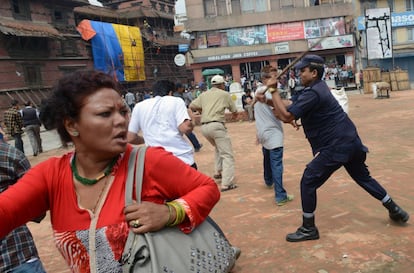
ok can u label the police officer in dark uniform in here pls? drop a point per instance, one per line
(334, 141)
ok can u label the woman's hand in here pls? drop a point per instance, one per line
(146, 217)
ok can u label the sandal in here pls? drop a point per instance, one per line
(217, 176)
(228, 188)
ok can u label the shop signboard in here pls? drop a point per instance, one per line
(331, 42)
(232, 56)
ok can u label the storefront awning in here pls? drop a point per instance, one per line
(10, 26)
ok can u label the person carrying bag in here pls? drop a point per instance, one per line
(84, 189)
(205, 249)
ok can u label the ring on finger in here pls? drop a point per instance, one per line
(135, 223)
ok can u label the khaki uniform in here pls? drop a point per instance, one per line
(213, 104)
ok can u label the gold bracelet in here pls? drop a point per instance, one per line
(179, 211)
(181, 214)
(169, 222)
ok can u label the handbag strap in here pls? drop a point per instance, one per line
(135, 172)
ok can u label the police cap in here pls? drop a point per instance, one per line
(308, 60)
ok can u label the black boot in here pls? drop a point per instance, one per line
(307, 231)
(396, 213)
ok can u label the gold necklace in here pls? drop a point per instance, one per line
(100, 194)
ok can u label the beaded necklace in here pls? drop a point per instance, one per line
(87, 181)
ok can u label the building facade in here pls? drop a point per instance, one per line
(240, 37)
(155, 19)
(400, 20)
(38, 44)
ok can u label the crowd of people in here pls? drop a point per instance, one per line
(84, 188)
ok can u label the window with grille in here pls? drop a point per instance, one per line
(59, 16)
(410, 34)
(221, 7)
(287, 3)
(209, 8)
(21, 9)
(394, 36)
(32, 75)
(261, 5)
(250, 6)
(19, 46)
(409, 5)
(69, 48)
(235, 7)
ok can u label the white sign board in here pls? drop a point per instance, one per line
(378, 30)
(282, 48)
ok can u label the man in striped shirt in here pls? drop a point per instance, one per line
(18, 251)
(14, 124)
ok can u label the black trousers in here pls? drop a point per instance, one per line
(324, 164)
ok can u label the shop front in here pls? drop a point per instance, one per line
(243, 51)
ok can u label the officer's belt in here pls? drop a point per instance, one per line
(204, 123)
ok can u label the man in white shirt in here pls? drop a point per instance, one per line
(130, 99)
(163, 121)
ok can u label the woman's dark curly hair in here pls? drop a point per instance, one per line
(68, 97)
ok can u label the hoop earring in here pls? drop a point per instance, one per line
(75, 133)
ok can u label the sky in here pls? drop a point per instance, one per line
(95, 3)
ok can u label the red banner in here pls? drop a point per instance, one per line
(214, 38)
(285, 32)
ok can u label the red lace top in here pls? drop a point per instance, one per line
(94, 242)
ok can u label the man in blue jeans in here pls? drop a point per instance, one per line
(270, 135)
(18, 253)
(193, 139)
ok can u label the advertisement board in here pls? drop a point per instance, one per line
(378, 31)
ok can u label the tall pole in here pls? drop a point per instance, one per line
(390, 5)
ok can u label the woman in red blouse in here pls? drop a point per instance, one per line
(85, 188)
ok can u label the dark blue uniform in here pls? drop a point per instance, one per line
(335, 143)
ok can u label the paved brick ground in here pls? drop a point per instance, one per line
(356, 235)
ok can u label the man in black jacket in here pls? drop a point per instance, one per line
(32, 124)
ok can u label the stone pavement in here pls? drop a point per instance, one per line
(356, 234)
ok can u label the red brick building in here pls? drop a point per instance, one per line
(38, 44)
(155, 20)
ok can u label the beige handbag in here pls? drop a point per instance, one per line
(204, 250)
